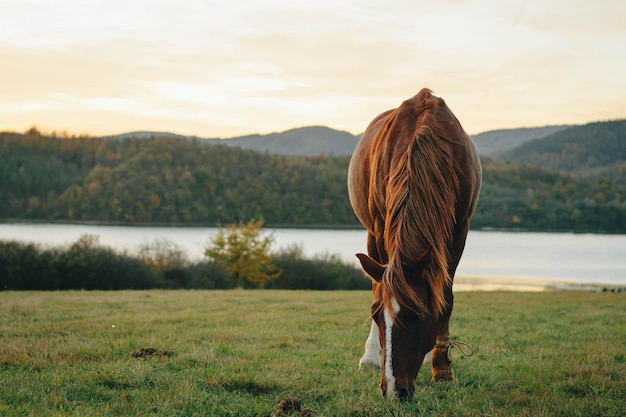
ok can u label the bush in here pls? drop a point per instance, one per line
(323, 272)
(20, 266)
(166, 262)
(210, 276)
(83, 266)
(88, 266)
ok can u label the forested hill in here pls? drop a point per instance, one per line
(579, 149)
(306, 141)
(169, 180)
(166, 180)
(582, 170)
(494, 142)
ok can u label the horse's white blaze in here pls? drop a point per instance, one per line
(391, 380)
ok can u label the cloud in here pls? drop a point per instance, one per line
(225, 68)
(596, 18)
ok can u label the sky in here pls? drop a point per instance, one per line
(229, 68)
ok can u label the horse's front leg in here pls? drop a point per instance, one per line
(373, 351)
(442, 365)
(372, 356)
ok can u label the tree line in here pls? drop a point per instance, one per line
(530, 198)
(166, 180)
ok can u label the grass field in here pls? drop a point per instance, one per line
(238, 353)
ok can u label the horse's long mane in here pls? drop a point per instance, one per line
(420, 199)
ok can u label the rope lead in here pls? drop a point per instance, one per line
(464, 348)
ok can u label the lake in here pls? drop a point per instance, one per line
(508, 258)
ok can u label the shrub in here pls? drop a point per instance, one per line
(88, 266)
(323, 272)
(210, 276)
(19, 266)
(167, 263)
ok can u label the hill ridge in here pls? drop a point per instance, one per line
(595, 145)
(323, 140)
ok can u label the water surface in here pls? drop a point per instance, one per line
(580, 258)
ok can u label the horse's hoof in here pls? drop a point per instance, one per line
(369, 363)
(443, 376)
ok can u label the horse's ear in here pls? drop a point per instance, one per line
(374, 269)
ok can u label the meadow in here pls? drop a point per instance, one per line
(239, 352)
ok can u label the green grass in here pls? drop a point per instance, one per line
(238, 353)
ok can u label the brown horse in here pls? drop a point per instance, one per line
(413, 181)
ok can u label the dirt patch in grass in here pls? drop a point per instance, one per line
(248, 387)
(290, 406)
(150, 352)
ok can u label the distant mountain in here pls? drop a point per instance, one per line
(149, 135)
(599, 145)
(516, 145)
(305, 141)
(493, 142)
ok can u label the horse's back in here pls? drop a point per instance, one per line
(360, 171)
(388, 137)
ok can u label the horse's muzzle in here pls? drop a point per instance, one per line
(400, 394)
(403, 394)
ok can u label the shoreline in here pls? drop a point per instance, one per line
(466, 284)
(354, 226)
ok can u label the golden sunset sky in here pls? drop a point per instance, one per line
(233, 67)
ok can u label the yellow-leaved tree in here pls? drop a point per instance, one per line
(244, 253)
